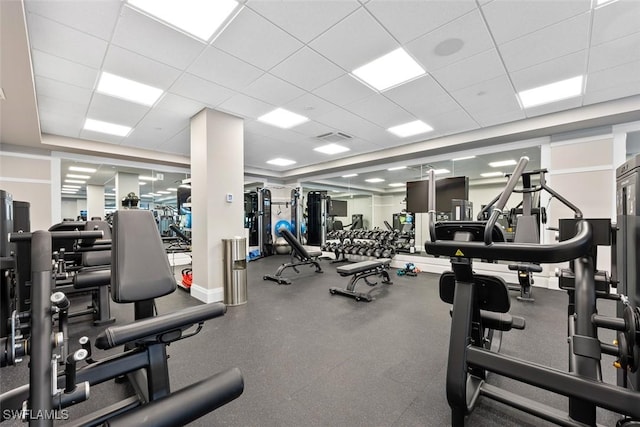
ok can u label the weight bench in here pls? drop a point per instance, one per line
(297, 251)
(362, 270)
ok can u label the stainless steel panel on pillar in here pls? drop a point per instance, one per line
(235, 270)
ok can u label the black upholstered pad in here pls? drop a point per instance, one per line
(92, 277)
(139, 265)
(93, 258)
(359, 267)
(295, 244)
(492, 291)
(533, 268)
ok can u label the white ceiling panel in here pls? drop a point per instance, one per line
(487, 118)
(615, 52)
(614, 20)
(354, 41)
(46, 103)
(226, 70)
(201, 90)
(272, 90)
(65, 42)
(410, 19)
(459, 39)
(245, 106)
(423, 97)
(178, 144)
(312, 129)
(343, 90)
(180, 106)
(150, 38)
(60, 123)
(165, 123)
(304, 20)
(136, 67)
(562, 68)
(63, 91)
(549, 43)
(255, 40)
(344, 121)
(63, 70)
(627, 75)
(307, 69)
(495, 96)
(380, 110)
(310, 106)
(102, 137)
(275, 133)
(97, 18)
(471, 70)
(565, 104)
(510, 19)
(114, 110)
(449, 122)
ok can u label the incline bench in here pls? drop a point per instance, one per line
(362, 270)
(297, 251)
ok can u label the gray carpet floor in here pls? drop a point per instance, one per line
(310, 358)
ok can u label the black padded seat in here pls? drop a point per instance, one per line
(532, 268)
(360, 271)
(298, 251)
(359, 267)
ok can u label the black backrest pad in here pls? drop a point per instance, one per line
(492, 293)
(92, 258)
(139, 265)
(446, 230)
(295, 245)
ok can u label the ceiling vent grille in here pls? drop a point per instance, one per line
(334, 137)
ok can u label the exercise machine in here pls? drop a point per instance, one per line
(469, 361)
(296, 213)
(265, 238)
(298, 251)
(251, 216)
(317, 217)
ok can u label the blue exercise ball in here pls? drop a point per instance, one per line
(280, 224)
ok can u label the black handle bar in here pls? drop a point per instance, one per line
(504, 197)
(567, 250)
(67, 235)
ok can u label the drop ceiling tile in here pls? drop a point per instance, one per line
(549, 43)
(273, 132)
(561, 68)
(304, 20)
(495, 96)
(257, 41)
(380, 111)
(62, 91)
(471, 70)
(178, 144)
(307, 69)
(343, 90)
(423, 98)
(625, 75)
(245, 106)
(354, 41)
(150, 38)
(60, 40)
(342, 120)
(614, 53)
(46, 103)
(272, 90)
(510, 19)
(554, 107)
(102, 137)
(136, 67)
(310, 106)
(200, 90)
(97, 18)
(410, 19)
(312, 129)
(459, 39)
(184, 107)
(226, 70)
(454, 121)
(615, 20)
(488, 118)
(114, 110)
(58, 123)
(157, 127)
(63, 70)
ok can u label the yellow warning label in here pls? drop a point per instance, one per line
(459, 253)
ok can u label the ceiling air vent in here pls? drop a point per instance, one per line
(334, 137)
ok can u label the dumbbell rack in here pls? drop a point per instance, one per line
(362, 245)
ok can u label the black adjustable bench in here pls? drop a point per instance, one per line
(362, 270)
(297, 251)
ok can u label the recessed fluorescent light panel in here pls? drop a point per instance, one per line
(280, 162)
(392, 69)
(350, 175)
(71, 187)
(463, 158)
(603, 2)
(397, 168)
(142, 183)
(398, 184)
(81, 169)
(374, 180)
(200, 18)
(184, 186)
(553, 92)
(74, 181)
(331, 149)
(409, 129)
(126, 89)
(491, 174)
(502, 163)
(106, 127)
(282, 118)
(73, 175)
(441, 171)
(164, 192)
(147, 178)
(172, 189)
(69, 191)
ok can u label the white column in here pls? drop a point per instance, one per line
(126, 183)
(95, 201)
(217, 201)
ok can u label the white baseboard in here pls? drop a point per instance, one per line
(207, 295)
